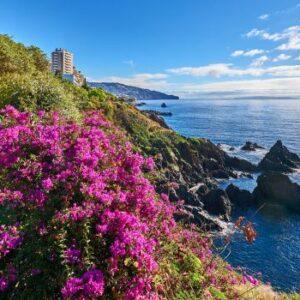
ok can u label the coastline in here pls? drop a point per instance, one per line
(245, 183)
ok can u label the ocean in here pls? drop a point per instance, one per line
(275, 255)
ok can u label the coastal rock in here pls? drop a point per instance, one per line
(220, 174)
(249, 146)
(216, 202)
(156, 118)
(195, 215)
(240, 164)
(163, 105)
(212, 155)
(200, 188)
(277, 188)
(182, 192)
(239, 197)
(189, 196)
(279, 159)
(231, 148)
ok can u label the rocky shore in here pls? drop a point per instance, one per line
(190, 169)
(208, 206)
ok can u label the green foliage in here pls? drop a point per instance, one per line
(27, 83)
(40, 60)
(99, 99)
(41, 91)
(217, 294)
(16, 58)
(186, 295)
(183, 272)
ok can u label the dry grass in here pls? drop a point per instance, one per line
(264, 292)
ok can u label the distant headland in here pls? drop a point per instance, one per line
(122, 90)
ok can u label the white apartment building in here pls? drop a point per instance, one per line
(62, 61)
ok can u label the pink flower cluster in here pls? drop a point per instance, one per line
(81, 189)
(7, 277)
(88, 286)
(72, 255)
(250, 279)
(83, 174)
(10, 239)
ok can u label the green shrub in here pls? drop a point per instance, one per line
(17, 58)
(41, 91)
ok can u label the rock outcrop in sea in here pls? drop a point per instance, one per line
(276, 188)
(279, 159)
(249, 146)
(239, 197)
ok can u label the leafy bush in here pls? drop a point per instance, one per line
(27, 83)
(41, 91)
(16, 58)
(81, 220)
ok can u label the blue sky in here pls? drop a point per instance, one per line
(191, 48)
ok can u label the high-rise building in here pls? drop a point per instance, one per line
(62, 61)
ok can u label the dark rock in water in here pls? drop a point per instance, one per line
(156, 118)
(249, 146)
(195, 215)
(239, 197)
(216, 202)
(231, 149)
(140, 104)
(163, 105)
(240, 164)
(279, 159)
(277, 188)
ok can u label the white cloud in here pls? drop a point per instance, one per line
(258, 62)
(285, 87)
(264, 35)
(214, 70)
(143, 80)
(237, 53)
(281, 57)
(293, 40)
(218, 70)
(290, 35)
(264, 17)
(250, 53)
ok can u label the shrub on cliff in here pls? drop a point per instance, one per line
(80, 220)
(17, 58)
(27, 83)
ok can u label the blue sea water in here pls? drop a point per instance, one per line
(276, 251)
